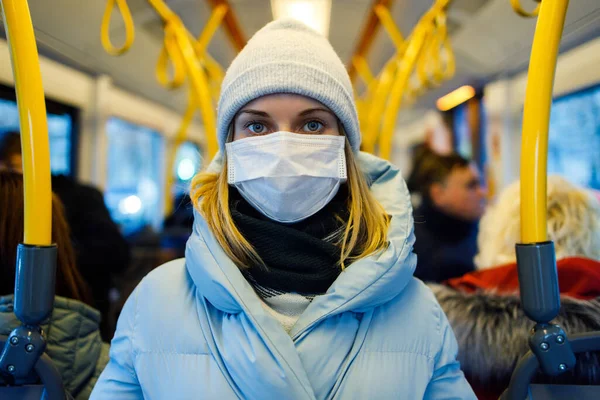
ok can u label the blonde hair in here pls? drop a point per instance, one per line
(573, 224)
(363, 234)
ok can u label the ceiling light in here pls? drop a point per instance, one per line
(455, 98)
(314, 13)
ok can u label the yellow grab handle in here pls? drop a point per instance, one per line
(536, 119)
(216, 75)
(209, 29)
(199, 85)
(441, 38)
(516, 5)
(105, 27)
(162, 10)
(378, 104)
(413, 52)
(189, 59)
(429, 63)
(214, 70)
(170, 52)
(414, 88)
(32, 118)
(422, 62)
(395, 81)
(202, 95)
(450, 62)
(390, 26)
(362, 67)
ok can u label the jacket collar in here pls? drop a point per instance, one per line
(365, 284)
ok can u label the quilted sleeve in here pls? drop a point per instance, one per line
(119, 379)
(448, 381)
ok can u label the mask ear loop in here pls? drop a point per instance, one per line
(343, 175)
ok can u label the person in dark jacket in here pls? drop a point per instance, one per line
(420, 153)
(177, 227)
(484, 308)
(453, 199)
(72, 330)
(101, 250)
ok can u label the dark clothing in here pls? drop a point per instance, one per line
(177, 227)
(298, 257)
(445, 246)
(100, 248)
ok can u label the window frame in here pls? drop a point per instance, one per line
(57, 108)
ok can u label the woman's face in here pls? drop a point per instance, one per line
(284, 112)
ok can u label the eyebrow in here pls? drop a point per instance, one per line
(266, 115)
(254, 112)
(311, 110)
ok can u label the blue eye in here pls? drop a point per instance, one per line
(313, 126)
(257, 128)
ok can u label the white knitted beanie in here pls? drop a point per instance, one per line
(287, 56)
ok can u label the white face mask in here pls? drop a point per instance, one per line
(287, 176)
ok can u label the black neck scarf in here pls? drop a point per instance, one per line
(297, 256)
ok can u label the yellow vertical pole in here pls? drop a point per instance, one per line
(32, 117)
(536, 118)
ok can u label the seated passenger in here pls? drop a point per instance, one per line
(297, 280)
(484, 307)
(453, 199)
(419, 155)
(177, 227)
(72, 331)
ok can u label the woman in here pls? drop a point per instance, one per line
(297, 281)
(493, 334)
(72, 332)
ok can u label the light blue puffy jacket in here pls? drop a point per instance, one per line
(195, 329)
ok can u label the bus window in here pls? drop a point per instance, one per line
(462, 132)
(134, 177)
(574, 139)
(60, 129)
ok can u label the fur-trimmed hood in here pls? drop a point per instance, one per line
(492, 332)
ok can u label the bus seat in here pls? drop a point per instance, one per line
(48, 387)
(28, 392)
(563, 392)
(521, 388)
